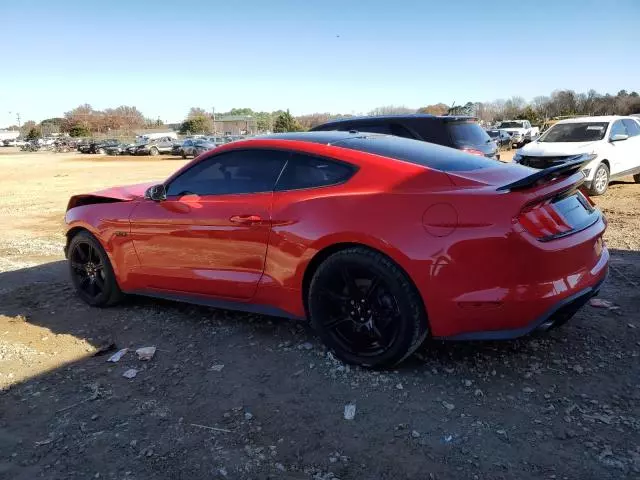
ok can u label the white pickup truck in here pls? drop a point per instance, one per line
(521, 131)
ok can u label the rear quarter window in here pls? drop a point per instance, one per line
(467, 133)
(306, 171)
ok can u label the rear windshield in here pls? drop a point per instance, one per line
(575, 132)
(468, 133)
(420, 153)
(511, 125)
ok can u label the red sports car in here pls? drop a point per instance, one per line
(378, 240)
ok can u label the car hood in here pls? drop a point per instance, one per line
(544, 149)
(125, 193)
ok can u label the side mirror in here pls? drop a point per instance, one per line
(157, 193)
(619, 137)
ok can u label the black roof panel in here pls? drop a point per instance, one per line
(326, 138)
(386, 118)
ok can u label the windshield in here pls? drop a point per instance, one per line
(468, 133)
(575, 132)
(493, 133)
(511, 125)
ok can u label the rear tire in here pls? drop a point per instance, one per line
(153, 151)
(600, 181)
(91, 271)
(636, 178)
(101, 151)
(366, 309)
(184, 155)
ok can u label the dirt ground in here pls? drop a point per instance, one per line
(240, 396)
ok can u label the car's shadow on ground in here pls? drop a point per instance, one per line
(49, 284)
(225, 387)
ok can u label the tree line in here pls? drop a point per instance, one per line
(84, 121)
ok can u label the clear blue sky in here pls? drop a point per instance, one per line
(165, 57)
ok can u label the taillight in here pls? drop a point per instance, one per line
(543, 221)
(472, 151)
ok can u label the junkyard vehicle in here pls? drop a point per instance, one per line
(374, 238)
(612, 142)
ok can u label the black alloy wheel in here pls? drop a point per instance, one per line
(91, 271)
(365, 308)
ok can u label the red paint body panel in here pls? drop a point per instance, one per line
(453, 233)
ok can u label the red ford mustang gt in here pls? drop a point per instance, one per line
(379, 240)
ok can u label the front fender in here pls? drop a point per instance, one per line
(109, 224)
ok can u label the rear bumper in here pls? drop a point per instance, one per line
(559, 314)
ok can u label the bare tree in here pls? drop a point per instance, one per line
(391, 110)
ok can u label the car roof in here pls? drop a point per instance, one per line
(412, 116)
(601, 118)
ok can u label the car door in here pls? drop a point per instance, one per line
(631, 163)
(210, 235)
(619, 151)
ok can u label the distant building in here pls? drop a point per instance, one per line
(235, 125)
(9, 134)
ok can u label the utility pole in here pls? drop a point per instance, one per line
(18, 118)
(213, 115)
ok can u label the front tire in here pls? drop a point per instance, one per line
(366, 309)
(153, 152)
(636, 178)
(91, 271)
(600, 181)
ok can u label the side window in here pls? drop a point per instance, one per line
(306, 171)
(527, 124)
(618, 128)
(633, 128)
(240, 171)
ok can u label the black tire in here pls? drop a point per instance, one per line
(184, 155)
(356, 330)
(101, 151)
(636, 178)
(153, 151)
(600, 181)
(91, 271)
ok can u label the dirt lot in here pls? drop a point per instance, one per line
(232, 395)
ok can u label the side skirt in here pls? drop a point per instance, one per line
(216, 303)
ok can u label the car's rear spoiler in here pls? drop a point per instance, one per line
(568, 167)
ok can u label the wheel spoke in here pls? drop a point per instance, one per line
(334, 323)
(92, 287)
(84, 283)
(77, 266)
(82, 254)
(352, 288)
(333, 295)
(99, 282)
(373, 286)
(91, 252)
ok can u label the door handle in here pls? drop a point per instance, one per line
(246, 219)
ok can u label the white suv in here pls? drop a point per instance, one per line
(613, 141)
